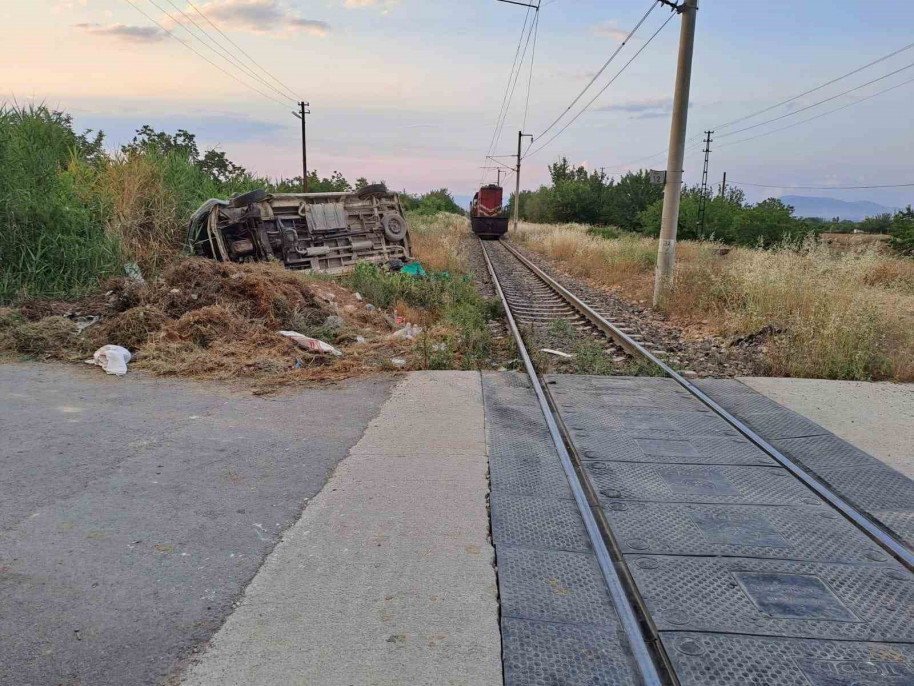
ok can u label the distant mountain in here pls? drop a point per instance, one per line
(829, 208)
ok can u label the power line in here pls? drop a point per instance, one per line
(823, 188)
(817, 88)
(223, 53)
(821, 102)
(243, 52)
(818, 116)
(536, 25)
(504, 98)
(785, 102)
(514, 86)
(603, 90)
(606, 64)
(204, 57)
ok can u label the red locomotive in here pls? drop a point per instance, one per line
(488, 218)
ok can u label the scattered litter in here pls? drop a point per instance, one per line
(398, 320)
(311, 344)
(689, 374)
(112, 358)
(398, 361)
(175, 291)
(369, 307)
(413, 269)
(410, 331)
(439, 347)
(132, 269)
(333, 322)
(358, 296)
(558, 353)
(84, 323)
(360, 339)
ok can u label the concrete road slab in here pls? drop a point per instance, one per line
(388, 576)
(133, 512)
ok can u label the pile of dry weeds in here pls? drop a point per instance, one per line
(215, 320)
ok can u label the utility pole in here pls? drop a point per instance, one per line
(666, 251)
(723, 185)
(520, 137)
(303, 111)
(703, 200)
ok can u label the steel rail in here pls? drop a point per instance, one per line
(630, 624)
(631, 346)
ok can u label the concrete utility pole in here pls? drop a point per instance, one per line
(666, 251)
(520, 137)
(703, 200)
(301, 114)
(723, 185)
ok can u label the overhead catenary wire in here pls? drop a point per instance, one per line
(204, 57)
(718, 127)
(821, 188)
(813, 90)
(536, 24)
(504, 98)
(603, 90)
(517, 74)
(602, 69)
(209, 21)
(816, 104)
(818, 116)
(223, 52)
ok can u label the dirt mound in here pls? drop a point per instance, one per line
(208, 319)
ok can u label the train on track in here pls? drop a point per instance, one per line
(488, 219)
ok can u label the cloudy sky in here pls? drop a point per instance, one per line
(409, 90)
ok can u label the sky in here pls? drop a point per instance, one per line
(409, 91)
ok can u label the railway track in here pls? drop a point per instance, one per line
(532, 298)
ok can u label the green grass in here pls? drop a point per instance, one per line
(456, 333)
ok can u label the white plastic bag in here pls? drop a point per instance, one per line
(112, 358)
(410, 331)
(311, 344)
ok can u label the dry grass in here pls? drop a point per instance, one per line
(839, 316)
(436, 241)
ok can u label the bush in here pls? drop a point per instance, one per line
(902, 232)
(52, 235)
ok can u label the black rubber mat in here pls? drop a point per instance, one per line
(702, 659)
(553, 586)
(548, 654)
(883, 493)
(871, 602)
(799, 533)
(597, 444)
(697, 484)
(531, 522)
(558, 622)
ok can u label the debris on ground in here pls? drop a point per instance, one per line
(398, 361)
(410, 331)
(312, 344)
(413, 269)
(214, 320)
(557, 353)
(112, 358)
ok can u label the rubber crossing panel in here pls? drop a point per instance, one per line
(747, 575)
(558, 622)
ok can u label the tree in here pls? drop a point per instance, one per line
(902, 232)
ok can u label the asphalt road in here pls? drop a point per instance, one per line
(133, 512)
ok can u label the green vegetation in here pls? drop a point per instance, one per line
(902, 231)
(453, 315)
(72, 214)
(634, 204)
